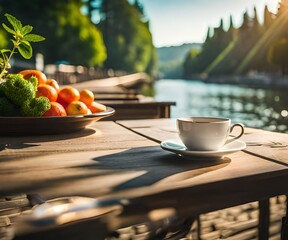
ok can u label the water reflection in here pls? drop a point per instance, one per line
(259, 108)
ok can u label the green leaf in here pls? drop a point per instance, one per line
(27, 29)
(21, 40)
(5, 50)
(9, 30)
(17, 25)
(25, 49)
(33, 38)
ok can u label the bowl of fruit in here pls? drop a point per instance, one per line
(32, 104)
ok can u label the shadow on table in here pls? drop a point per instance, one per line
(128, 169)
(27, 141)
(160, 167)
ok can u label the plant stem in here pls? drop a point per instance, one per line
(6, 63)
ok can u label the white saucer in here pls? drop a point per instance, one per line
(176, 146)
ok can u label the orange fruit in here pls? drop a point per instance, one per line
(47, 91)
(56, 109)
(38, 74)
(86, 96)
(53, 83)
(96, 107)
(61, 101)
(76, 108)
(69, 94)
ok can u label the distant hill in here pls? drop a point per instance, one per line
(170, 59)
(166, 54)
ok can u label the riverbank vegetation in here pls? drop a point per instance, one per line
(253, 47)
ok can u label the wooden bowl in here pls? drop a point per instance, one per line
(13, 126)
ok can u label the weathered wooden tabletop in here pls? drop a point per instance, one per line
(123, 159)
(258, 172)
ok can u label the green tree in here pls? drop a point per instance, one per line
(70, 35)
(278, 54)
(212, 47)
(267, 17)
(190, 59)
(127, 37)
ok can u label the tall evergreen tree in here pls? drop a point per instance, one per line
(255, 25)
(231, 24)
(139, 7)
(232, 31)
(246, 21)
(208, 36)
(127, 37)
(267, 17)
(255, 19)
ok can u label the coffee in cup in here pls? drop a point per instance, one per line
(207, 133)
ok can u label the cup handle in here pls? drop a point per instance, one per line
(231, 129)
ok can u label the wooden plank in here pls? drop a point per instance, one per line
(155, 123)
(264, 219)
(29, 163)
(156, 129)
(138, 109)
(98, 136)
(112, 83)
(115, 97)
(270, 145)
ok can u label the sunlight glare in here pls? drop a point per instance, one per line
(284, 113)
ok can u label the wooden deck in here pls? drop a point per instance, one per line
(114, 84)
(235, 223)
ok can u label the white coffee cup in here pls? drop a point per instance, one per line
(206, 133)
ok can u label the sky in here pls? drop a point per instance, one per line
(174, 22)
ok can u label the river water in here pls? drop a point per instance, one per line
(258, 108)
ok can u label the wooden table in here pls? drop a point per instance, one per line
(122, 162)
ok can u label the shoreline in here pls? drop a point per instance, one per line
(263, 81)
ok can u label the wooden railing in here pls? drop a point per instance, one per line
(69, 74)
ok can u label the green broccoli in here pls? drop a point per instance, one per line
(7, 108)
(18, 90)
(34, 82)
(35, 107)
